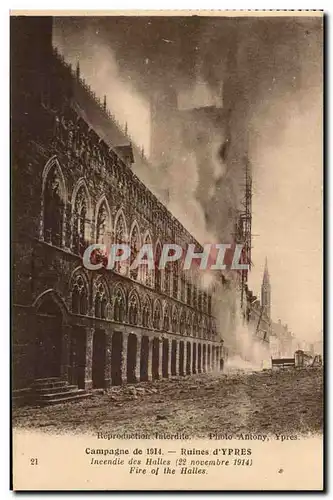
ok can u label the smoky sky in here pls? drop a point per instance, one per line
(271, 71)
(175, 46)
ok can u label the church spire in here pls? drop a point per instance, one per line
(266, 292)
(266, 274)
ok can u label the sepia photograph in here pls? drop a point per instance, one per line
(167, 250)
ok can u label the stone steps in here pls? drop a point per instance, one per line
(56, 390)
(53, 390)
(69, 397)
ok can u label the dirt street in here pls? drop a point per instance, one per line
(260, 402)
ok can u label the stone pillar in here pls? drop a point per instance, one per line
(89, 354)
(188, 350)
(65, 352)
(182, 370)
(204, 358)
(124, 358)
(169, 357)
(198, 366)
(213, 358)
(150, 359)
(108, 351)
(201, 358)
(197, 362)
(160, 358)
(194, 360)
(177, 357)
(138, 358)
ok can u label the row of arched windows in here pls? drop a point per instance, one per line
(87, 225)
(145, 313)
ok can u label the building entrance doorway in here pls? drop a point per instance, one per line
(49, 337)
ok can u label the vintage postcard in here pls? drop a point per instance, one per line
(166, 236)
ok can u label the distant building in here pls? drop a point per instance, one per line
(283, 340)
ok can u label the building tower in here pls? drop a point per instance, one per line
(266, 292)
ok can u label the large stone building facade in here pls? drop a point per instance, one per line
(72, 185)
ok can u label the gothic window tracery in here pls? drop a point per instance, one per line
(146, 273)
(175, 275)
(157, 315)
(53, 209)
(79, 296)
(195, 326)
(100, 301)
(174, 320)
(133, 309)
(167, 278)
(183, 288)
(135, 247)
(194, 296)
(189, 324)
(102, 223)
(146, 313)
(204, 302)
(189, 293)
(80, 220)
(209, 304)
(182, 323)
(121, 238)
(158, 272)
(119, 306)
(166, 319)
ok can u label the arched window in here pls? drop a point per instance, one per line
(175, 281)
(189, 324)
(189, 294)
(147, 275)
(213, 330)
(158, 272)
(204, 302)
(174, 320)
(133, 309)
(167, 272)
(135, 247)
(166, 318)
(79, 222)
(199, 298)
(194, 296)
(102, 224)
(209, 304)
(182, 288)
(53, 209)
(121, 238)
(119, 306)
(157, 315)
(200, 326)
(167, 278)
(146, 313)
(204, 328)
(79, 296)
(195, 326)
(182, 323)
(100, 301)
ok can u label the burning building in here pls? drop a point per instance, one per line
(73, 184)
